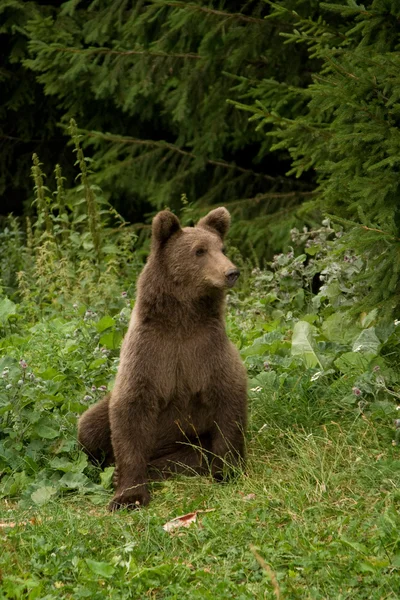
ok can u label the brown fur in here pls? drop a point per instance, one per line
(179, 403)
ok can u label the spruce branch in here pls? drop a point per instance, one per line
(109, 51)
(274, 196)
(210, 11)
(167, 146)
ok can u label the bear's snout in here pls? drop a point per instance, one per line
(232, 276)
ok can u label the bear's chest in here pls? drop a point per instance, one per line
(190, 366)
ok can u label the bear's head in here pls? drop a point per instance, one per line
(193, 258)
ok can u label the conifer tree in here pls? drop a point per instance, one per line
(347, 129)
(28, 118)
(149, 83)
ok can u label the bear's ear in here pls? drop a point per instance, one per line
(165, 224)
(218, 219)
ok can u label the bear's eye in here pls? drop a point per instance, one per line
(223, 250)
(200, 251)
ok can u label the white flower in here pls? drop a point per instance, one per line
(316, 375)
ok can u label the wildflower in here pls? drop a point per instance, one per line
(356, 391)
(316, 376)
(103, 388)
(94, 388)
(20, 382)
(8, 386)
(267, 366)
(124, 294)
(89, 314)
(75, 306)
(376, 368)
(23, 364)
(396, 322)
(104, 351)
(397, 423)
(87, 397)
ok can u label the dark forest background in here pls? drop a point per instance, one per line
(282, 111)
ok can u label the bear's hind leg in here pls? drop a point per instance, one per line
(187, 459)
(94, 433)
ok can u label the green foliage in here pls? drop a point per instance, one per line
(150, 84)
(347, 130)
(65, 244)
(321, 485)
(316, 514)
(57, 354)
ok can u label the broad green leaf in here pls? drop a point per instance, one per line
(46, 432)
(339, 328)
(367, 341)
(95, 364)
(353, 362)
(105, 323)
(43, 495)
(7, 309)
(106, 477)
(396, 560)
(63, 464)
(367, 319)
(267, 343)
(51, 373)
(100, 568)
(76, 481)
(303, 344)
(111, 340)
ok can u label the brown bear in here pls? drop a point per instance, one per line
(180, 400)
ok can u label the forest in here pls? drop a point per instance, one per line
(287, 113)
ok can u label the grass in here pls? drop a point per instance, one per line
(315, 516)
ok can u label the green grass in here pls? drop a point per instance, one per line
(315, 516)
(323, 515)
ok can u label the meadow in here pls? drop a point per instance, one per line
(315, 513)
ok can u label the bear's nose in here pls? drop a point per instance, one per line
(232, 276)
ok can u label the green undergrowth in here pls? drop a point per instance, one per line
(318, 503)
(320, 508)
(315, 515)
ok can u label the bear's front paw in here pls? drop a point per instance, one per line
(133, 497)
